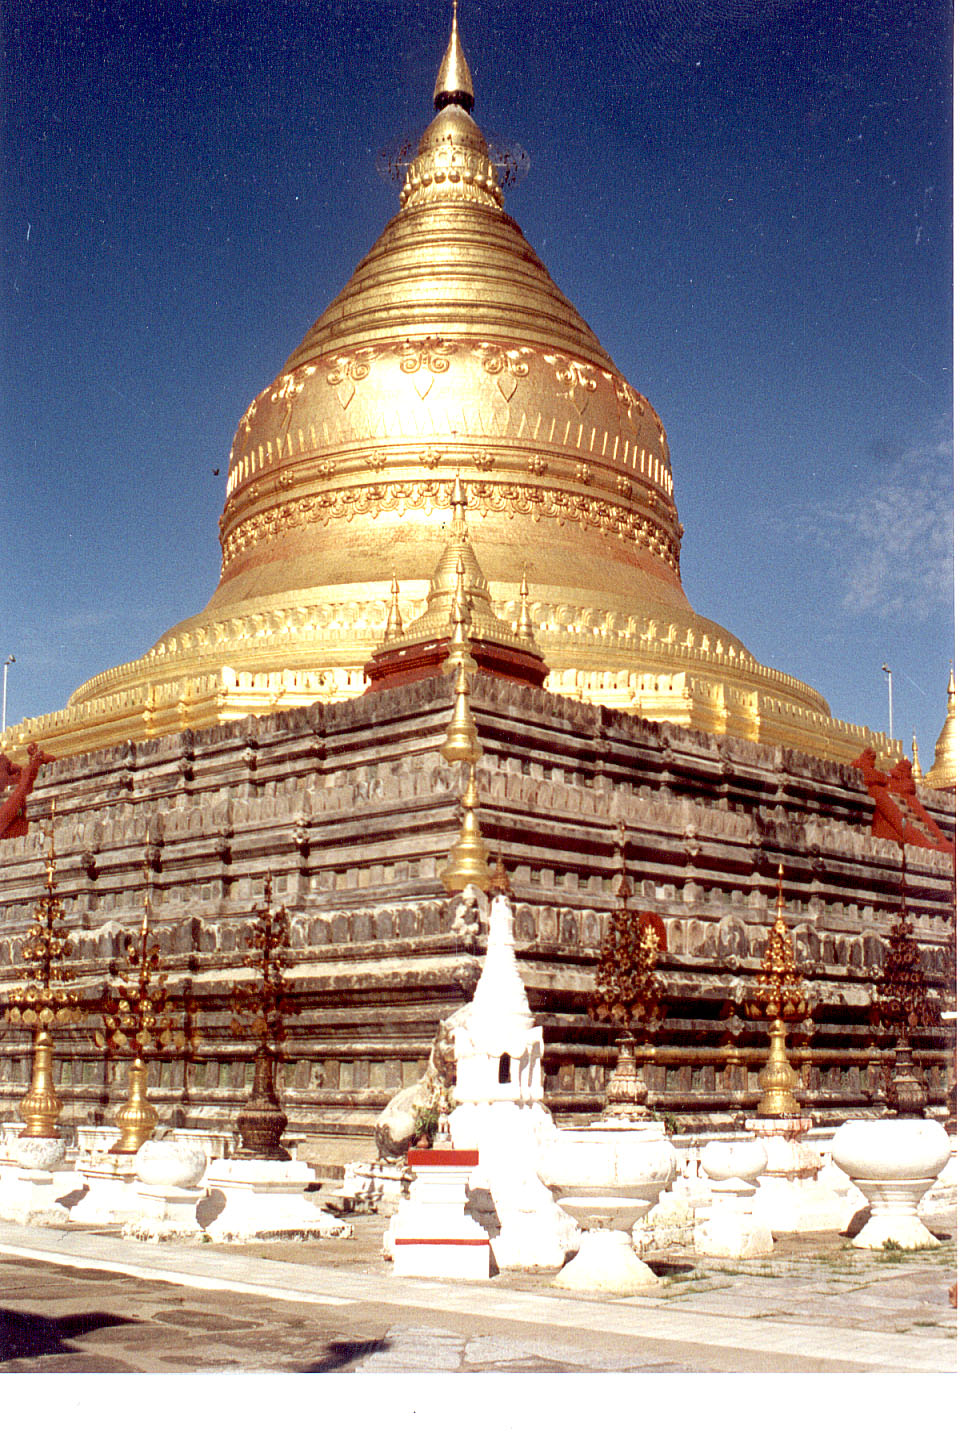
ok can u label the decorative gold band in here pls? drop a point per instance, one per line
(487, 496)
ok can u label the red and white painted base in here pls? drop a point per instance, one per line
(431, 1236)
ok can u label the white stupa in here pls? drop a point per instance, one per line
(500, 1110)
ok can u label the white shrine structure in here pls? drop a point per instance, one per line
(500, 1110)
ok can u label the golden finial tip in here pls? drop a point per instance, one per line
(454, 83)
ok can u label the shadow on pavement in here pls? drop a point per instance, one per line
(23, 1336)
(342, 1352)
(671, 1267)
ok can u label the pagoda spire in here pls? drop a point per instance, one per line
(394, 630)
(454, 83)
(942, 774)
(524, 623)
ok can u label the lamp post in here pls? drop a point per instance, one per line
(889, 674)
(10, 660)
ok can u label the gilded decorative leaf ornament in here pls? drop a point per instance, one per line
(903, 1005)
(628, 993)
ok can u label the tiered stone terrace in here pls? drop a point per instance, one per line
(352, 810)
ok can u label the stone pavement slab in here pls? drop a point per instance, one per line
(804, 1309)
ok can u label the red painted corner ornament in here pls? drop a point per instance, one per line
(13, 810)
(898, 814)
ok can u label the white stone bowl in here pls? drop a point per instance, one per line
(170, 1163)
(607, 1176)
(891, 1149)
(733, 1159)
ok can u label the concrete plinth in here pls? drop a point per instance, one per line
(30, 1196)
(263, 1200)
(791, 1199)
(110, 1198)
(431, 1235)
(167, 1212)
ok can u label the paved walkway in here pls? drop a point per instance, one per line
(88, 1300)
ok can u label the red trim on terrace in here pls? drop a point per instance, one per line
(441, 1242)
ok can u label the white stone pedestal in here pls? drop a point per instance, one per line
(607, 1264)
(431, 1236)
(29, 1196)
(110, 1197)
(727, 1228)
(527, 1228)
(607, 1176)
(790, 1200)
(166, 1212)
(263, 1200)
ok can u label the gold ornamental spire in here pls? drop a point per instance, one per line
(525, 633)
(394, 629)
(915, 769)
(454, 82)
(469, 859)
(462, 741)
(942, 774)
(44, 1001)
(468, 862)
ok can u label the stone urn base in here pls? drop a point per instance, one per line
(606, 1262)
(893, 1215)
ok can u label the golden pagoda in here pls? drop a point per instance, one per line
(450, 349)
(942, 774)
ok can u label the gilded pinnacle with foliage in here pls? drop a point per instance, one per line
(778, 997)
(260, 1006)
(44, 1000)
(138, 1013)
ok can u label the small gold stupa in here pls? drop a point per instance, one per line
(449, 350)
(942, 774)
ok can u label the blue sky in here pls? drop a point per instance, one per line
(748, 200)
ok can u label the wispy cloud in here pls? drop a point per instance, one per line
(892, 536)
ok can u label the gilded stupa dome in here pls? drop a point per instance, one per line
(942, 774)
(450, 350)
